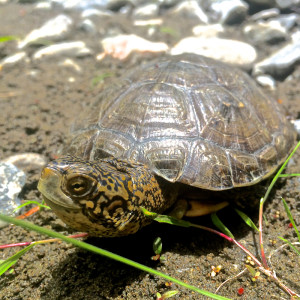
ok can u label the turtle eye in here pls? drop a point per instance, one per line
(79, 186)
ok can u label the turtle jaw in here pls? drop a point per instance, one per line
(50, 187)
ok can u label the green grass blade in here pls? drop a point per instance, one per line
(5, 265)
(279, 173)
(169, 294)
(290, 244)
(100, 78)
(246, 219)
(291, 217)
(31, 202)
(251, 270)
(165, 219)
(157, 245)
(108, 254)
(218, 223)
(168, 30)
(290, 175)
(8, 38)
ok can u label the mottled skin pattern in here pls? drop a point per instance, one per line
(109, 193)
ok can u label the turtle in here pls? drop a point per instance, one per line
(173, 134)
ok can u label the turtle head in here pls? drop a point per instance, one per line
(102, 197)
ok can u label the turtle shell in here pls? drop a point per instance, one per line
(192, 120)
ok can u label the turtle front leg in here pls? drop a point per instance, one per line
(195, 208)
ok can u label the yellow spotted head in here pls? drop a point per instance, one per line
(103, 197)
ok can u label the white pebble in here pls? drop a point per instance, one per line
(230, 51)
(266, 81)
(53, 30)
(15, 58)
(71, 49)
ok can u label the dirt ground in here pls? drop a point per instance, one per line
(38, 104)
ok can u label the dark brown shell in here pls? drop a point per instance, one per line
(190, 119)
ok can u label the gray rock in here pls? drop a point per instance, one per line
(168, 3)
(265, 32)
(88, 26)
(146, 11)
(80, 4)
(69, 49)
(230, 51)
(283, 4)
(12, 181)
(282, 61)
(229, 11)
(190, 9)
(114, 5)
(268, 3)
(288, 21)
(265, 14)
(46, 5)
(54, 30)
(119, 5)
(89, 12)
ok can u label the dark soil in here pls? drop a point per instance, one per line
(38, 104)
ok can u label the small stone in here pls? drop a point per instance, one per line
(266, 81)
(288, 21)
(229, 11)
(89, 12)
(70, 49)
(283, 4)
(71, 64)
(122, 45)
(269, 32)
(14, 59)
(76, 4)
(257, 3)
(230, 51)
(12, 181)
(281, 62)
(168, 3)
(43, 5)
(88, 26)
(212, 30)
(53, 30)
(190, 9)
(265, 14)
(146, 11)
(151, 22)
